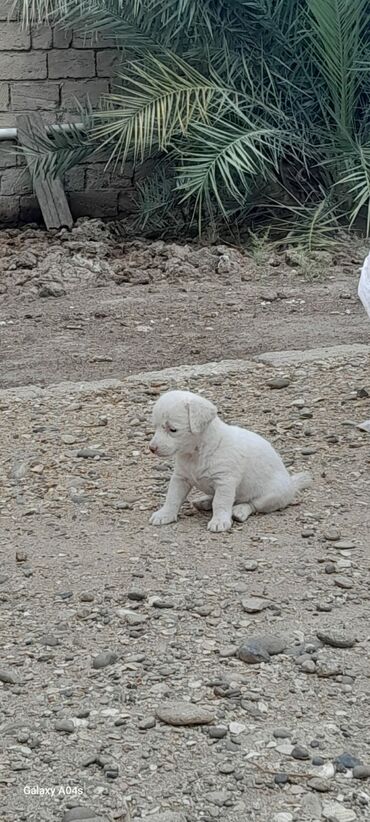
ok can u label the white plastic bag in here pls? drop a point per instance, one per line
(364, 285)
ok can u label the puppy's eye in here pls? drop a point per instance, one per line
(173, 430)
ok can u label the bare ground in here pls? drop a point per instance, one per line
(83, 572)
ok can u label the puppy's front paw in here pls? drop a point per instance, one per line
(162, 517)
(220, 522)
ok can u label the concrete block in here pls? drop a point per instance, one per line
(126, 202)
(72, 90)
(23, 65)
(62, 38)
(42, 37)
(71, 63)
(8, 157)
(30, 211)
(15, 181)
(4, 96)
(94, 204)
(35, 96)
(74, 179)
(94, 41)
(100, 177)
(9, 210)
(108, 62)
(14, 37)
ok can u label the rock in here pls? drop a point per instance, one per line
(236, 728)
(279, 382)
(21, 556)
(336, 638)
(344, 545)
(166, 816)
(250, 565)
(361, 772)
(89, 453)
(8, 677)
(307, 666)
(50, 640)
(218, 797)
(328, 667)
(343, 582)
(80, 813)
(281, 778)
(319, 785)
(146, 724)
(252, 605)
(253, 652)
(65, 725)
(335, 812)
(346, 761)
(217, 732)
(136, 596)
(332, 534)
(299, 752)
(183, 713)
(281, 733)
(283, 816)
(103, 659)
(226, 767)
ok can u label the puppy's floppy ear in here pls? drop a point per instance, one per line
(201, 412)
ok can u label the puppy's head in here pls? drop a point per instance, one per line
(180, 418)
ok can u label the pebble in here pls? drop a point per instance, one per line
(299, 752)
(318, 761)
(8, 677)
(250, 565)
(332, 534)
(89, 453)
(307, 666)
(279, 382)
(21, 556)
(103, 659)
(218, 797)
(50, 640)
(253, 605)
(236, 728)
(335, 812)
(281, 778)
(344, 545)
(80, 813)
(319, 785)
(183, 713)
(343, 582)
(217, 732)
(146, 724)
(283, 816)
(281, 733)
(261, 648)
(65, 725)
(346, 761)
(336, 638)
(361, 772)
(226, 767)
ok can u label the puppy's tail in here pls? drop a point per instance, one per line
(301, 481)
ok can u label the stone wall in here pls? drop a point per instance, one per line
(46, 70)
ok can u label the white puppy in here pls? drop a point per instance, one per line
(238, 470)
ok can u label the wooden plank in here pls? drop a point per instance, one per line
(49, 191)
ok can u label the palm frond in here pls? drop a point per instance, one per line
(56, 150)
(357, 182)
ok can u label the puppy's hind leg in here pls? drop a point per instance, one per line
(272, 502)
(203, 504)
(242, 511)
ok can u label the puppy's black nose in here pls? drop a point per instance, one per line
(153, 449)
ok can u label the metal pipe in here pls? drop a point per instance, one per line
(12, 133)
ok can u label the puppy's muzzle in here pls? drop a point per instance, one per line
(153, 448)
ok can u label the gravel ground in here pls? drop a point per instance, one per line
(88, 304)
(130, 675)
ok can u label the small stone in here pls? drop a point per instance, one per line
(346, 761)
(253, 653)
(21, 556)
(78, 813)
(343, 582)
(103, 659)
(252, 605)
(136, 596)
(250, 565)
(335, 812)
(226, 767)
(328, 667)
(281, 778)
(279, 382)
(307, 532)
(336, 638)
(283, 816)
(344, 545)
(299, 752)
(332, 534)
(236, 728)
(281, 733)
(319, 785)
(86, 596)
(90, 453)
(183, 713)
(307, 666)
(361, 772)
(330, 568)
(318, 761)
(50, 640)
(65, 725)
(8, 677)
(217, 732)
(218, 798)
(146, 724)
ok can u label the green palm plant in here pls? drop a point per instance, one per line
(239, 97)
